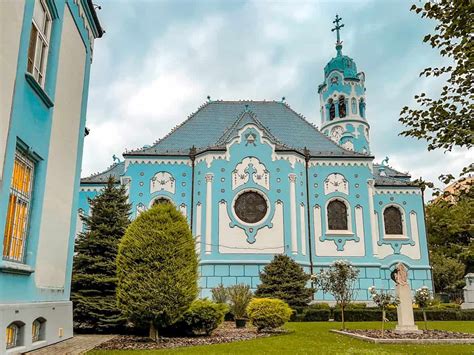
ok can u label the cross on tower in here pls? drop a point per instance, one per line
(337, 28)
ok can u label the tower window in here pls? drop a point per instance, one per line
(362, 108)
(332, 110)
(392, 218)
(16, 226)
(342, 107)
(354, 106)
(337, 215)
(39, 41)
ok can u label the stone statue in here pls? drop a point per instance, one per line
(406, 321)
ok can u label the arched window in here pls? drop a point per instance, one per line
(37, 329)
(342, 107)
(362, 108)
(392, 218)
(337, 215)
(160, 200)
(13, 336)
(332, 110)
(354, 105)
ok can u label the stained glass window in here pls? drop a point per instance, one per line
(392, 218)
(250, 207)
(12, 336)
(337, 215)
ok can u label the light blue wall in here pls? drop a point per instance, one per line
(30, 124)
(216, 267)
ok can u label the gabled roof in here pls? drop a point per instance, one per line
(217, 122)
(392, 177)
(116, 170)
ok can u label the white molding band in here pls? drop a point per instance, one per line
(209, 178)
(294, 240)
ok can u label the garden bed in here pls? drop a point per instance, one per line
(426, 337)
(226, 333)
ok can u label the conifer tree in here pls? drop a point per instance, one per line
(284, 279)
(157, 268)
(94, 278)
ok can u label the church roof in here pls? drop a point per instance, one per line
(392, 177)
(115, 170)
(216, 122)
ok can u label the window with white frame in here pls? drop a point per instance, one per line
(16, 226)
(337, 216)
(393, 221)
(39, 41)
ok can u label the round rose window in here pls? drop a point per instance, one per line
(250, 207)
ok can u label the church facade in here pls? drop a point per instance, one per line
(255, 179)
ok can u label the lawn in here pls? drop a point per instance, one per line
(315, 338)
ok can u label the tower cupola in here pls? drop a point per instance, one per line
(342, 98)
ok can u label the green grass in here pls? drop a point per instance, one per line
(315, 338)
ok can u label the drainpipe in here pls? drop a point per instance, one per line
(192, 156)
(307, 157)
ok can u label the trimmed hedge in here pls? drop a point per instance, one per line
(371, 314)
(316, 315)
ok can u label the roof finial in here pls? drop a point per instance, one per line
(208, 98)
(283, 99)
(337, 28)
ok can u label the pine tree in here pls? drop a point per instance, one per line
(284, 279)
(157, 268)
(94, 278)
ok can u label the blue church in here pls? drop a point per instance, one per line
(46, 53)
(255, 179)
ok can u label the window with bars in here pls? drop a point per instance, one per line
(16, 227)
(37, 329)
(39, 42)
(13, 336)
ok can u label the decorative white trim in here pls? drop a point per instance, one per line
(413, 251)
(261, 194)
(183, 209)
(359, 221)
(198, 230)
(336, 183)
(91, 188)
(155, 161)
(294, 238)
(241, 175)
(373, 216)
(404, 225)
(152, 201)
(163, 181)
(209, 178)
(336, 162)
(349, 230)
(303, 229)
(126, 181)
(211, 156)
(384, 191)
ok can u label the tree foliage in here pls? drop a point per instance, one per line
(446, 121)
(94, 277)
(283, 278)
(157, 268)
(448, 272)
(339, 281)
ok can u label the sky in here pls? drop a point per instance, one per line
(159, 60)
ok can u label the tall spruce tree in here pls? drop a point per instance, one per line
(283, 278)
(94, 278)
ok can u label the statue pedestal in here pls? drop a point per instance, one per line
(406, 321)
(468, 292)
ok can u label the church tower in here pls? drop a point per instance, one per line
(342, 98)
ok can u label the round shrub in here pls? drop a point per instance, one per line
(202, 317)
(268, 313)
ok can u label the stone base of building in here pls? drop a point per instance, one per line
(232, 272)
(56, 318)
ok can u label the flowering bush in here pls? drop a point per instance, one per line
(383, 300)
(423, 299)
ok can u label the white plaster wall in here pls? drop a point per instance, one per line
(329, 248)
(234, 240)
(11, 20)
(61, 169)
(413, 251)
